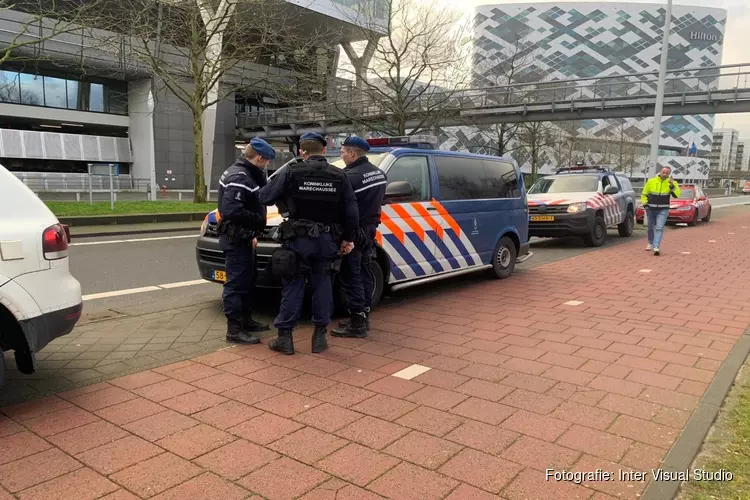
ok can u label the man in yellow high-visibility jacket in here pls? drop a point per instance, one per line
(656, 197)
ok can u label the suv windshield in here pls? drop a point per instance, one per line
(566, 184)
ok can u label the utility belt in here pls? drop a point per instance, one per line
(236, 233)
(285, 262)
(293, 228)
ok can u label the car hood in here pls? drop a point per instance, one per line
(679, 203)
(559, 198)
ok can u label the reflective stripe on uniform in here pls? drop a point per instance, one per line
(235, 184)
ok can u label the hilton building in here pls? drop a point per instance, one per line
(564, 41)
(67, 103)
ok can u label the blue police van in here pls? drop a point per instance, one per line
(445, 214)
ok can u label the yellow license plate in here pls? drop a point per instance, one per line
(220, 276)
(542, 218)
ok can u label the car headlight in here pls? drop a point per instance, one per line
(575, 208)
(204, 227)
(685, 208)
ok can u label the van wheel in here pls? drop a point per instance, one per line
(625, 228)
(707, 218)
(341, 301)
(598, 234)
(504, 258)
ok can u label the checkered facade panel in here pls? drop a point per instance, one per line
(517, 43)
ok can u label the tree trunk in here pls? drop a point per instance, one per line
(199, 188)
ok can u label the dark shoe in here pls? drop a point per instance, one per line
(319, 342)
(237, 335)
(283, 343)
(345, 322)
(356, 327)
(254, 326)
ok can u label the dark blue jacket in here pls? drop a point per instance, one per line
(277, 190)
(368, 182)
(238, 195)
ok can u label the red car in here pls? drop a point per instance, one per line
(692, 206)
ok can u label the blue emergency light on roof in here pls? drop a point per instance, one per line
(409, 141)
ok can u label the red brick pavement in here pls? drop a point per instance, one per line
(520, 382)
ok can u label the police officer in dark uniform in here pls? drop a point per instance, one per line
(243, 218)
(322, 212)
(368, 182)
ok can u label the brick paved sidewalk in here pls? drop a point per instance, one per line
(519, 382)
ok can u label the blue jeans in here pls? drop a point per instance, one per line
(657, 219)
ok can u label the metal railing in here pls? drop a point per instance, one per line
(682, 82)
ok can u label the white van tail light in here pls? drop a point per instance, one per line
(55, 242)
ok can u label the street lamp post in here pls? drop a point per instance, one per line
(656, 134)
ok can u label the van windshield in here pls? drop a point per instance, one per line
(566, 184)
(375, 159)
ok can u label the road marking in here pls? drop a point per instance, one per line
(117, 293)
(685, 253)
(412, 371)
(154, 288)
(135, 240)
(645, 271)
(730, 233)
(180, 284)
(573, 303)
(712, 241)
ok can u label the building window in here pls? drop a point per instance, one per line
(64, 93)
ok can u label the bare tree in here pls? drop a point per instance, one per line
(37, 22)
(501, 69)
(203, 51)
(534, 138)
(415, 69)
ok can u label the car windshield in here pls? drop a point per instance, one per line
(566, 184)
(687, 194)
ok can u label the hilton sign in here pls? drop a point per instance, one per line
(704, 37)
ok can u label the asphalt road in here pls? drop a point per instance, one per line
(117, 263)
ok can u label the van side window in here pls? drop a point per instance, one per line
(502, 179)
(460, 178)
(625, 183)
(415, 171)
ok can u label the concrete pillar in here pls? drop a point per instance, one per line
(141, 130)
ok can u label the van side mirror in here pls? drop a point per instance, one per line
(398, 190)
(701, 198)
(611, 190)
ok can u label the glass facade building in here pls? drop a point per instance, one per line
(63, 92)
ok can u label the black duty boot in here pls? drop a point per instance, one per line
(319, 342)
(345, 322)
(356, 328)
(283, 343)
(251, 325)
(237, 335)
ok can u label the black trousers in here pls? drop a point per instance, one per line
(242, 275)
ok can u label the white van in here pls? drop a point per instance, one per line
(39, 299)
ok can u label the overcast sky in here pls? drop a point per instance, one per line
(736, 50)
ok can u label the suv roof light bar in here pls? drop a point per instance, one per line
(582, 169)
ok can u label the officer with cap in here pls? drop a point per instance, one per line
(368, 182)
(322, 212)
(243, 218)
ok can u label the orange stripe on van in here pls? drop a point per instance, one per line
(451, 222)
(397, 232)
(379, 238)
(435, 225)
(406, 217)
